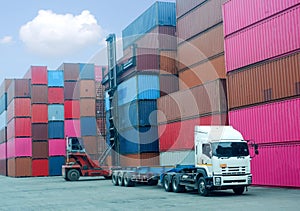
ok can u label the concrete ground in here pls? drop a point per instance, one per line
(54, 193)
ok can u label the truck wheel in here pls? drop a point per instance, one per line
(114, 179)
(177, 188)
(127, 181)
(73, 175)
(152, 182)
(120, 180)
(167, 184)
(202, 190)
(239, 190)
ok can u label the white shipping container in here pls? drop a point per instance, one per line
(3, 120)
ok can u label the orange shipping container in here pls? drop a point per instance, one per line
(261, 83)
(88, 107)
(87, 89)
(39, 113)
(202, 73)
(167, 62)
(19, 167)
(143, 159)
(202, 47)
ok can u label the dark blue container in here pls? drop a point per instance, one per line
(56, 130)
(159, 14)
(55, 164)
(55, 78)
(3, 103)
(86, 71)
(88, 126)
(143, 139)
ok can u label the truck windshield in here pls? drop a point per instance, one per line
(230, 149)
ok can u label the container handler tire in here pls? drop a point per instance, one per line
(114, 179)
(120, 180)
(202, 190)
(73, 175)
(127, 181)
(167, 184)
(239, 190)
(177, 188)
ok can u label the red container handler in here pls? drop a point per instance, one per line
(40, 167)
(55, 95)
(269, 123)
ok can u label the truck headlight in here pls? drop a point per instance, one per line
(217, 181)
(249, 179)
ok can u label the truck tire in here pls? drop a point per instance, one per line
(73, 175)
(120, 180)
(202, 190)
(167, 184)
(152, 182)
(239, 190)
(177, 188)
(114, 179)
(127, 181)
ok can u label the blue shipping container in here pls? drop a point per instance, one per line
(86, 71)
(143, 139)
(56, 130)
(107, 103)
(159, 14)
(140, 87)
(3, 120)
(3, 103)
(55, 78)
(55, 112)
(88, 126)
(55, 164)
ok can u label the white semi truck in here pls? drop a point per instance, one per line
(222, 161)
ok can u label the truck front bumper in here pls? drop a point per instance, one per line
(232, 181)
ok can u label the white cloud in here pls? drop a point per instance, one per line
(6, 40)
(51, 34)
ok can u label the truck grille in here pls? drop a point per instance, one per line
(234, 170)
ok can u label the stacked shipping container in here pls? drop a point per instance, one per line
(265, 69)
(202, 85)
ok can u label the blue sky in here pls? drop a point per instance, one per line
(46, 32)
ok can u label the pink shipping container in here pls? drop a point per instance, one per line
(3, 151)
(19, 107)
(277, 165)
(37, 74)
(180, 135)
(271, 38)
(238, 14)
(19, 127)
(19, 147)
(72, 128)
(57, 147)
(269, 123)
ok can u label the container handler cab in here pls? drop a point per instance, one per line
(79, 162)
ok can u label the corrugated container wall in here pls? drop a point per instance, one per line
(39, 132)
(269, 123)
(55, 78)
(71, 71)
(39, 113)
(184, 6)
(141, 159)
(37, 75)
(86, 71)
(168, 84)
(240, 14)
(19, 107)
(185, 157)
(55, 112)
(19, 88)
(39, 94)
(19, 167)
(72, 109)
(55, 95)
(57, 147)
(160, 13)
(55, 165)
(56, 130)
(261, 83)
(248, 46)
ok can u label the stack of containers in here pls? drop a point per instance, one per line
(3, 126)
(262, 60)
(201, 99)
(39, 119)
(19, 142)
(56, 131)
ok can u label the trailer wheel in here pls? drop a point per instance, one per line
(167, 184)
(202, 190)
(73, 175)
(177, 188)
(239, 190)
(120, 180)
(127, 181)
(114, 179)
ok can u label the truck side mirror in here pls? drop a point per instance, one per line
(256, 149)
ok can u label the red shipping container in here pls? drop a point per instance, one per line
(57, 147)
(40, 167)
(240, 14)
(180, 135)
(19, 127)
(37, 74)
(19, 147)
(72, 109)
(72, 128)
(19, 107)
(269, 123)
(281, 36)
(277, 165)
(39, 113)
(19, 167)
(55, 95)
